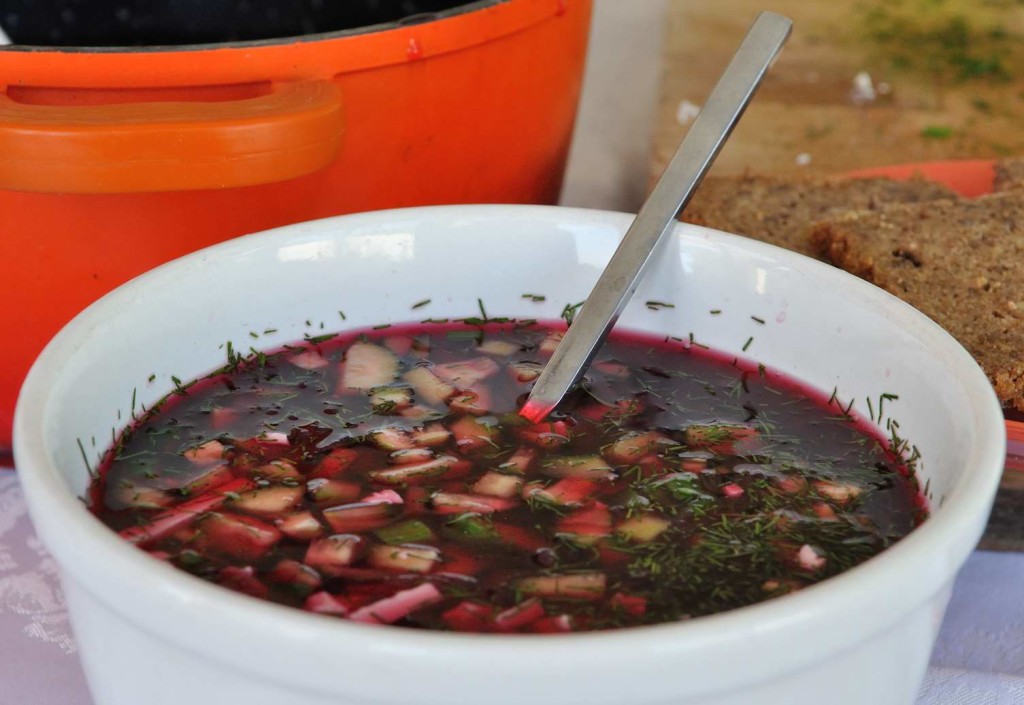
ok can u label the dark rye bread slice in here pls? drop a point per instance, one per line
(780, 210)
(960, 262)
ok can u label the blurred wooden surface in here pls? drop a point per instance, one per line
(947, 78)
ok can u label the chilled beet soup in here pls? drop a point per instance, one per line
(385, 477)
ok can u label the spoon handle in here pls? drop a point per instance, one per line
(684, 173)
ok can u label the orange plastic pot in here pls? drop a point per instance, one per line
(113, 161)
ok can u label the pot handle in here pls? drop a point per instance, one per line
(292, 130)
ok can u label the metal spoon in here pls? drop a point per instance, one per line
(684, 173)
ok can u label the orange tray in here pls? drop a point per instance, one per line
(969, 178)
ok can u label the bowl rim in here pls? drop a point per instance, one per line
(760, 623)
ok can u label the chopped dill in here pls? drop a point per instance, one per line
(570, 311)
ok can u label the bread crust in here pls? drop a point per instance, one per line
(780, 210)
(961, 262)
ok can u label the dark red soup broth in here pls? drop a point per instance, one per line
(385, 477)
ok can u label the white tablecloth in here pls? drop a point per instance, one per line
(979, 658)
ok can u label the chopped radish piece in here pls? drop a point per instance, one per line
(841, 492)
(418, 412)
(519, 537)
(552, 625)
(498, 484)
(459, 563)
(310, 359)
(810, 559)
(331, 492)
(468, 617)
(548, 435)
(569, 492)
(429, 387)
(524, 372)
(612, 368)
(360, 516)
(406, 558)
(184, 514)
(407, 456)
(466, 373)
(329, 554)
(211, 478)
(642, 529)
(277, 471)
(127, 495)
(421, 346)
(454, 503)
(630, 604)
(401, 604)
(222, 418)
(241, 537)
(207, 453)
(632, 448)
(587, 525)
(335, 463)
(242, 580)
(781, 587)
(595, 412)
(301, 526)
(526, 612)
(326, 603)
(268, 502)
(391, 439)
(732, 490)
(273, 439)
(472, 436)
(550, 343)
(383, 497)
(694, 465)
(416, 499)
(823, 511)
(476, 401)
(791, 484)
(432, 436)
(520, 461)
(299, 578)
(398, 344)
(368, 366)
(582, 586)
(585, 467)
(500, 348)
(419, 472)
(386, 400)
(651, 466)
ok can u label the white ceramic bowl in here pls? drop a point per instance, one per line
(149, 633)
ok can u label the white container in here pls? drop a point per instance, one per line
(152, 634)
